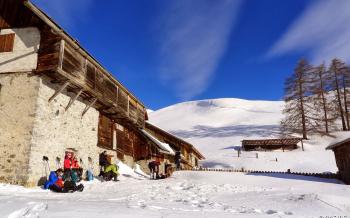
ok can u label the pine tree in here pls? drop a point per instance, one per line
(296, 93)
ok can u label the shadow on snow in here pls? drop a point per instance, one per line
(202, 131)
(296, 177)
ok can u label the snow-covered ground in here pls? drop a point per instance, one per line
(216, 127)
(186, 194)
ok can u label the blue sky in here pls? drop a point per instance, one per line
(167, 52)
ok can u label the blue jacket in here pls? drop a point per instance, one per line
(52, 180)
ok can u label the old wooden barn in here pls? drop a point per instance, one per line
(271, 144)
(341, 151)
(55, 96)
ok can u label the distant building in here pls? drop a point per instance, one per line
(342, 156)
(271, 144)
(190, 156)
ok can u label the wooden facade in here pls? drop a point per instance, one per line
(271, 144)
(190, 155)
(342, 157)
(62, 59)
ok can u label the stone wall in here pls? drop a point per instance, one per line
(31, 127)
(24, 56)
(18, 94)
(56, 130)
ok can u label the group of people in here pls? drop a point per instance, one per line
(66, 179)
(153, 167)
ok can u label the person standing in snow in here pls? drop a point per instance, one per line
(67, 164)
(103, 162)
(154, 169)
(178, 160)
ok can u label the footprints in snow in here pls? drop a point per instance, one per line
(195, 198)
(31, 211)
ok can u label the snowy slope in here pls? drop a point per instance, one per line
(216, 127)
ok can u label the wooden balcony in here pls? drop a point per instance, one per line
(79, 72)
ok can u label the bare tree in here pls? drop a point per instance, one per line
(337, 69)
(322, 114)
(296, 93)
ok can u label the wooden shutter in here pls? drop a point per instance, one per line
(105, 132)
(7, 42)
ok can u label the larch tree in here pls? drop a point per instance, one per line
(322, 115)
(296, 109)
(338, 84)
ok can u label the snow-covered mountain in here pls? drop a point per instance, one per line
(216, 127)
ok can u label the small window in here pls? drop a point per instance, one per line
(6, 42)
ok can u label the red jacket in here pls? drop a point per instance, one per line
(67, 163)
(59, 182)
(75, 164)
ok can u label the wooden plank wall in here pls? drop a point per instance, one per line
(14, 14)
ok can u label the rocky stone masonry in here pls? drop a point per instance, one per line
(31, 127)
(18, 94)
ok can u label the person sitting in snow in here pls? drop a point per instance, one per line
(77, 171)
(111, 172)
(56, 183)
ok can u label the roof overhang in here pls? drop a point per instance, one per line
(163, 147)
(337, 144)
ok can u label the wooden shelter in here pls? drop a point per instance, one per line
(271, 144)
(341, 151)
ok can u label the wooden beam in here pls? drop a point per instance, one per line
(61, 55)
(117, 94)
(128, 106)
(72, 100)
(59, 90)
(89, 106)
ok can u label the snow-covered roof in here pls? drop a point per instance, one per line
(164, 146)
(337, 142)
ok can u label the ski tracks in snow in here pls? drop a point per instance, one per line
(32, 210)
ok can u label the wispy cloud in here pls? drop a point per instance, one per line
(322, 32)
(193, 37)
(66, 12)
